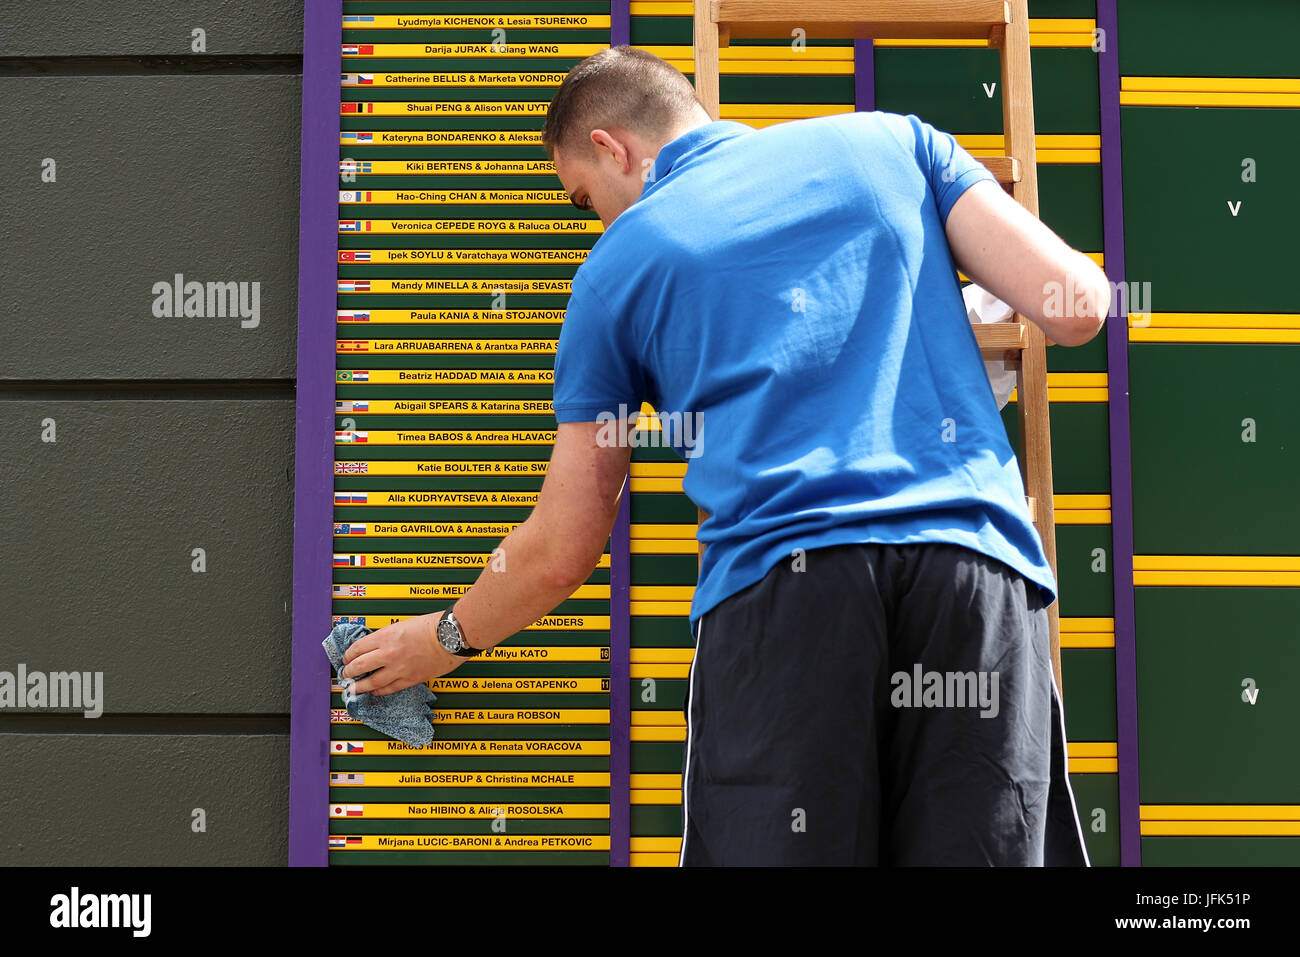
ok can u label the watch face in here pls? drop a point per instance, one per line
(449, 635)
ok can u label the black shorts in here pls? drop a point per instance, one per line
(885, 705)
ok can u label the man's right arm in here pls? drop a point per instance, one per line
(1007, 250)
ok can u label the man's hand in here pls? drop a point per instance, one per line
(402, 654)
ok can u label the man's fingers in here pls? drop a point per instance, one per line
(368, 661)
(398, 685)
(371, 681)
(369, 643)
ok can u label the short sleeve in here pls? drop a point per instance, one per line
(950, 169)
(596, 369)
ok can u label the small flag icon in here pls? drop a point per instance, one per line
(354, 841)
(352, 468)
(354, 255)
(352, 810)
(349, 225)
(344, 528)
(350, 316)
(338, 777)
(352, 19)
(364, 137)
(354, 285)
(349, 620)
(360, 375)
(349, 498)
(353, 196)
(353, 747)
(366, 79)
(338, 841)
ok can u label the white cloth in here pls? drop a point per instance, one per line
(983, 306)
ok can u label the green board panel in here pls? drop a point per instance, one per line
(1182, 169)
(947, 88)
(1207, 38)
(1080, 445)
(1220, 851)
(1198, 486)
(1088, 676)
(1096, 797)
(1200, 739)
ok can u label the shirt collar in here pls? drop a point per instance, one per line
(677, 152)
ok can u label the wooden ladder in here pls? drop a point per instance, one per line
(1005, 23)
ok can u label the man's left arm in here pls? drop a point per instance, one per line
(538, 565)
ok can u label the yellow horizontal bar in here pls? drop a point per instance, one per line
(741, 111)
(653, 860)
(655, 484)
(1257, 563)
(1083, 516)
(1042, 141)
(658, 469)
(1249, 336)
(1219, 812)
(1070, 395)
(1220, 828)
(1035, 40)
(684, 53)
(1216, 320)
(654, 656)
(648, 796)
(1173, 98)
(657, 719)
(1088, 624)
(1049, 156)
(1092, 749)
(678, 609)
(1094, 765)
(658, 734)
(794, 66)
(1208, 84)
(661, 844)
(660, 671)
(1087, 640)
(1081, 501)
(656, 781)
(1226, 578)
(641, 530)
(661, 546)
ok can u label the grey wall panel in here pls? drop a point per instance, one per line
(99, 530)
(155, 176)
(127, 799)
(154, 28)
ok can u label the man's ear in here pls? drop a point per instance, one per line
(606, 142)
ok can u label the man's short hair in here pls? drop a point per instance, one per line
(620, 87)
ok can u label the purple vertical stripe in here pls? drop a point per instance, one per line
(864, 75)
(313, 504)
(620, 22)
(1121, 475)
(620, 683)
(620, 612)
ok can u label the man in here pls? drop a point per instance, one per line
(871, 682)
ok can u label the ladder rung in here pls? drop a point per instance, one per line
(1005, 169)
(875, 19)
(995, 338)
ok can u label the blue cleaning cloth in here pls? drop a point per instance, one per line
(404, 715)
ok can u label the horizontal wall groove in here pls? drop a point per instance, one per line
(177, 390)
(199, 63)
(52, 722)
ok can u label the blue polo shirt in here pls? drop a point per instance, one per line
(787, 300)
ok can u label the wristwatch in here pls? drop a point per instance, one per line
(453, 639)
